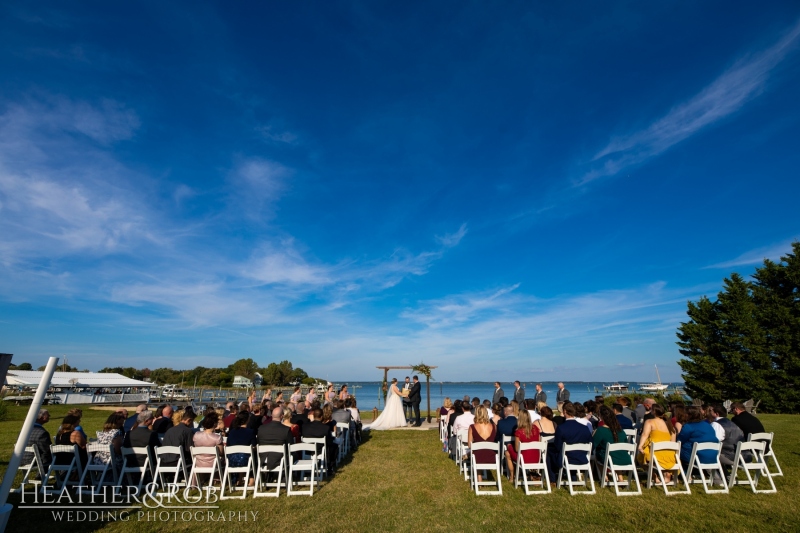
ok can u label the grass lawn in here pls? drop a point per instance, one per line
(400, 480)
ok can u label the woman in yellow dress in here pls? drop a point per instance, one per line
(658, 429)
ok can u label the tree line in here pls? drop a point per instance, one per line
(746, 343)
(277, 374)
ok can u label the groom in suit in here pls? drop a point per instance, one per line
(415, 397)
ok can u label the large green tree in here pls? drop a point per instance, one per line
(746, 343)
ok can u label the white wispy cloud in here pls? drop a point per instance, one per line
(449, 240)
(737, 86)
(757, 255)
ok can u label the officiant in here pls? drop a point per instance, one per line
(407, 406)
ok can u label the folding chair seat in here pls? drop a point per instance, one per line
(443, 432)
(548, 438)
(99, 475)
(34, 467)
(612, 469)
(696, 464)
(230, 471)
(541, 467)
(756, 464)
(493, 466)
(131, 467)
(65, 469)
(769, 450)
(585, 470)
(321, 455)
(263, 472)
(178, 472)
(302, 460)
(212, 471)
(676, 470)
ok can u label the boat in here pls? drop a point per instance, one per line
(654, 387)
(616, 387)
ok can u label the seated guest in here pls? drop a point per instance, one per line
(294, 428)
(525, 432)
(327, 417)
(696, 429)
(78, 413)
(161, 425)
(68, 435)
(255, 417)
(591, 413)
(530, 405)
(658, 429)
(626, 409)
(679, 417)
(482, 430)
(560, 418)
(231, 410)
(545, 424)
(339, 413)
(580, 416)
(451, 434)
(647, 412)
(444, 410)
(570, 432)
(40, 439)
(488, 405)
(240, 435)
(609, 433)
(208, 437)
(141, 437)
(497, 413)
(507, 425)
(316, 429)
(516, 407)
(180, 435)
(475, 403)
(351, 405)
(747, 422)
(732, 435)
(624, 421)
(299, 416)
(111, 435)
(463, 422)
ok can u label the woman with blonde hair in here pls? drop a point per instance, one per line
(515, 405)
(482, 430)
(287, 421)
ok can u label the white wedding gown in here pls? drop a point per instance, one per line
(392, 415)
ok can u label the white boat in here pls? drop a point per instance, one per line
(616, 387)
(654, 387)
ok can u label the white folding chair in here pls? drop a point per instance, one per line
(179, 472)
(100, 475)
(462, 452)
(230, 471)
(494, 466)
(505, 440)
(343, 438)
(61, 473)
(610, 468)
(131, 466)
(263, 472)
(769, 450)
(676, 470)
(32, 467)
(632, 436)
(580, 470)
(757, 464)
(548, 438)
(302, 459)
(213, 470)
(541, 467)
(695, 464)
(443, 430)
(321, 455)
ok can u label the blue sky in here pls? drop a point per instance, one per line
(508, 191)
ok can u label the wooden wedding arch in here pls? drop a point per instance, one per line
(427, 382)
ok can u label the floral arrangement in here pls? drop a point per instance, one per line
(423, 369)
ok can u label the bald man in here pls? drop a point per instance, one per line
(276, 434)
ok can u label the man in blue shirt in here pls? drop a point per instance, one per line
(624, 421)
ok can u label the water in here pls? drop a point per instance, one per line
(369, 394)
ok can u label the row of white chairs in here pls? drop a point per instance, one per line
(751, 459)
(307, 459)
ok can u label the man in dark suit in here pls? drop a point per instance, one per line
(540, 398)
(276, 434)
(562, 395)
(519, 393)
(747, 422)
(508, 425)
(498, 393)
(299, 417)
(180, 436)
(130, 422)
(161, 425)
(141, 437)
(570, 432)
(415, 397)
(315, 429)
(40, 439)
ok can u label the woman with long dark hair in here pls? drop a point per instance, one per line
(610, 433)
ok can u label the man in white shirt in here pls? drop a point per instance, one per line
(530, 405)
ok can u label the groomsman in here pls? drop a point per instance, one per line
(519, 393)
(561, 396)
(498, 393)
(540, 398)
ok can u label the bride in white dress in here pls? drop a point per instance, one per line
(392, 415)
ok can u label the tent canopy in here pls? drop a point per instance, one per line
(31, 378)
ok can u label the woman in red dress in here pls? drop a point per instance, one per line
(526, 432)
(482, 431)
